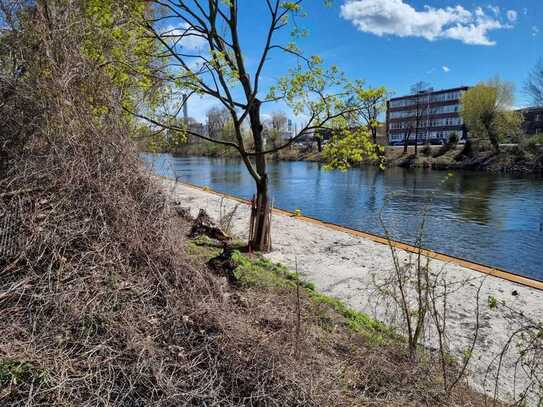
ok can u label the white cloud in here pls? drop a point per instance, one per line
(512, 15)
(395, 17)
(495, 10)
(525, 11)
(535, 31)
(474, 34)
(184, 37)
(446, 68)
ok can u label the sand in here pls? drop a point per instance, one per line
(347, 267)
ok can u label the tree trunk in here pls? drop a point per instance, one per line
(495, 142)
(492, 136)
(260, 228)
(468, 149)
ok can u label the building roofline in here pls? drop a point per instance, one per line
(435, 92)
(530, 109)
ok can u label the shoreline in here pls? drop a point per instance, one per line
(346, 265)
(432, 254)
(508, 162)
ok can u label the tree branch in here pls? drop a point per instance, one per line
(179, 129)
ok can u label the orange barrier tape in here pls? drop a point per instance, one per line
(492, 271)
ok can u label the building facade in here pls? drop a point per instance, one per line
(533, 120)
(426, 117)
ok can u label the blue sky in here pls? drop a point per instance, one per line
(396, 43)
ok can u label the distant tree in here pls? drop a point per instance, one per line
(487, 112)
(318, 138)
(216, 119)
(159, 139)
(407, 135)
(219, 124)
(219, 70)
(374, 103)
(274, 128)
(534, 84)
(420, 110)
(420, 86)
(278, 121)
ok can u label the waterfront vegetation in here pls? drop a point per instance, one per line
(523, 157)
(103, 298)
(496, 139)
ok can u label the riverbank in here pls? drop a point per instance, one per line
(347, 267)
(520, 159)
(512, 159)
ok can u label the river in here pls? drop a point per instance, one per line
(495, 220)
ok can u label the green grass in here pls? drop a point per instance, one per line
(202, 249)
(17, 372)
(263, 273)
(357, 321)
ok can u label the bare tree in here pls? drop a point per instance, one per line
(278, 121)
(217, 119)
(218, 70)
(275, 127)
(407, 136)
(421, 106)
(420, 297)
(534, 84)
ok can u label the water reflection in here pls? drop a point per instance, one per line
(475, 197)
(495, 220)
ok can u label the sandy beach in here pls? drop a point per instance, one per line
(348, 267)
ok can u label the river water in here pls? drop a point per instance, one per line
(495, 220)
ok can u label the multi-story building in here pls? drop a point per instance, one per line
(426, 117)
(533, 120)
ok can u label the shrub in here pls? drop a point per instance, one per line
(453, 140)
(533, 144)
(427, 150)
(451, 143)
